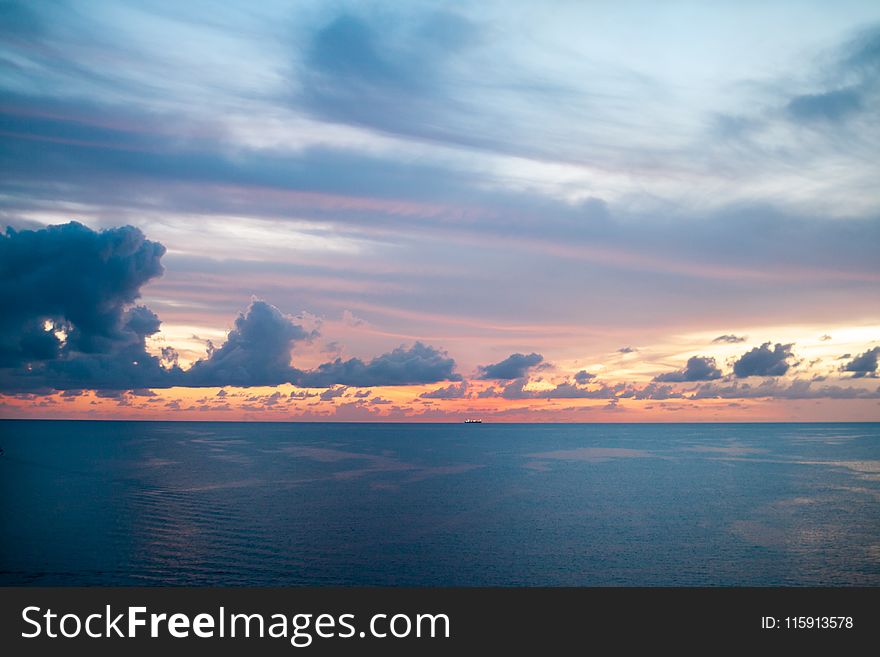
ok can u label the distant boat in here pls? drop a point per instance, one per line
(473, 421)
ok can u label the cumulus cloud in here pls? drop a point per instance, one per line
(256, 351)
(728, 338)
(770, 388)
(863, 365)
(303, 394)
(698, 368)
(452, 391)
(764, 361)
(420, 363)
(69, 323)
(656, 392)
(583, 377)
(514, 366)
(80, 282)
(333, 393)
(568, 390)
(516, 389)
(142, 392)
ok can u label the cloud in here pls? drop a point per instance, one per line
(863, 365)
(627, 350)
(403, 366)
(771, 388)
(333, 393)
(452, 391)
(698, 368)
(350, 319)
(564, 390)
(389, 75)
(834, 105)
(142, 392)
(763, 361)
(514, 366)
(860, 67)
(68, 321)
(256, 351)
(567, 390)
(303, 394)
(79, 280)
(657, 392)
(513, 390)
(728, 339)
(583, 377)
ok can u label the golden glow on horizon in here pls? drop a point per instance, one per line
(404, 404)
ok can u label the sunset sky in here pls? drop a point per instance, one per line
(425, 211)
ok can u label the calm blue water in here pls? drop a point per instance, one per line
(108, 503)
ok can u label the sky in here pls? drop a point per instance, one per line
(425, 211)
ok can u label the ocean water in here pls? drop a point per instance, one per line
(186, 503)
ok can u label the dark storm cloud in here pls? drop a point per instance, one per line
(514, 366)
(728, 339)
(764, 361)
(863, 365)
(698, 368)
(256, 351)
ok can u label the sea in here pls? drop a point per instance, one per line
(311, 504)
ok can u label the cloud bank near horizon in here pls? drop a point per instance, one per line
(76, 326)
